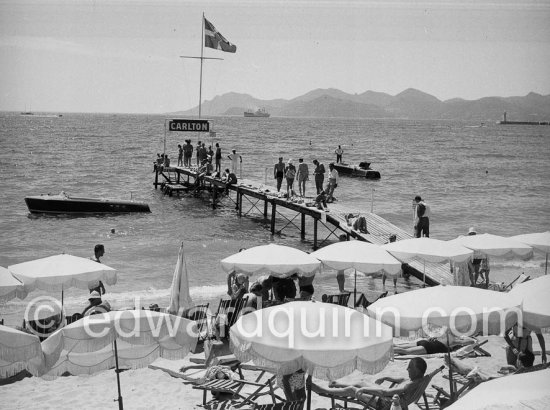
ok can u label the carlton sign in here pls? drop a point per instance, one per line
(189, 125)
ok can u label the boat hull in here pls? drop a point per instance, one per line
(357, 171)
(59, 204)
(251, 114)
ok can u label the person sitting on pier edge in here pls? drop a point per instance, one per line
(229, 178)
(279, 173)
(321, 201)
(422, 220)
(319, 173)
(339, 151)
(157, 163)
(332, 182)
(166, 160)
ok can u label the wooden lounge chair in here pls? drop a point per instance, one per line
(341, 299)
(364, 302)
(229, 310)
(234, 388)
(199, 313)
(372, 402)
(522, 277)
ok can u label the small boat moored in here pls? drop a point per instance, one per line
(65, 204)
(362, 170)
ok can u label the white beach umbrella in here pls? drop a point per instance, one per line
(493, 245)
(428, 250)
(60, 272)
(10, 286)
(325, 340)
(180, 299)
(457, 309)
(19, 351)
(536, 301)
(539, 241)
(361, 256)
(277, 260)
(132, 338)
(518, 391)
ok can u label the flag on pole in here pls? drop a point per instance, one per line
(214, 39)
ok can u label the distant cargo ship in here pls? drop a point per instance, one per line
(258, 113)
(506, 122)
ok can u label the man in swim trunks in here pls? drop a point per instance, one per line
(279, 173)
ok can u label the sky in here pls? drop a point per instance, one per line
(124, 56)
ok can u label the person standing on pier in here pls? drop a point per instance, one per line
(279, 173)
(302, 176)
(187, 153)
(235, 160)
(180, 155)
(218, 158)
(332, 182)
(197, 150)
(319, 173)
(422, 220)
(339, 151)
(290, 175)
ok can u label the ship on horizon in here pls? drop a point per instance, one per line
(261, 112)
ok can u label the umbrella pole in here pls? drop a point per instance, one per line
(355, 289)
(117, 371)
(451, 389)
(61, 297)
(308, 385)
(546, 266)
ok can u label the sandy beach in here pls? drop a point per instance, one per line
(150, 388)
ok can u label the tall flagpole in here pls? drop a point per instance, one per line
(202, 58)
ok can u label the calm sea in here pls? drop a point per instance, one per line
(493, 177)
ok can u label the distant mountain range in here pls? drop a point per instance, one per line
(411, 104)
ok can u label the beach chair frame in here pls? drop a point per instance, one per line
(229, 310)
(199, 314)
(341, 299)
(364, 302)
(371, 403)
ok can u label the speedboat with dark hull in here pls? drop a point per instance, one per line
(65, 204)
(363, 170)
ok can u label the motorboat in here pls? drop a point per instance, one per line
(362, 170)
(65, 204)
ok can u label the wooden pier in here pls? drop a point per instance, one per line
(266, 201)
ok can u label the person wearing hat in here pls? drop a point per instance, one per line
(290, 174)
(94, 299)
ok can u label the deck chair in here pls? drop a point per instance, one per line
(199, 314)
(229, 310)
(373, 401)
(341, 299)
(364, 302)
(473, 350)
(228, 404)
(234, 388)
(501, 287)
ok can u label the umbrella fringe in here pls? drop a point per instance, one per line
(12, 369)
(245, 352)
(16, 293)
(21, 353)
(109, 278)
